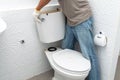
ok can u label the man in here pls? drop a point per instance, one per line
(78, 28)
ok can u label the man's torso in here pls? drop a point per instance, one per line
(76, 11)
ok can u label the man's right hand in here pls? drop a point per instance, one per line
(36, 15)
(36, 12)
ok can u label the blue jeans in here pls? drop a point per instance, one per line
(83, 34)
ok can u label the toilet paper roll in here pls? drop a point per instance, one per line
(100, 40)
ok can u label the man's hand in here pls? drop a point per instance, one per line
(36, 15)
(40, 5)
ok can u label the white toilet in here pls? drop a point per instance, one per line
(67, 64)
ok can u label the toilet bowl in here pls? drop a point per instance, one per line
(68, 64)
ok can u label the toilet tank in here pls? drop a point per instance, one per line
(52, 27)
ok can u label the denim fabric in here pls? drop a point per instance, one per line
(82, 34)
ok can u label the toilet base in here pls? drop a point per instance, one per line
(61, 77)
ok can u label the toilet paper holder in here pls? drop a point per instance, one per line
(100, 39)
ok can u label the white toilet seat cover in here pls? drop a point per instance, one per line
(71, 60)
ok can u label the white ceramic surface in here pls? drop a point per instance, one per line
(52, 28)
(62, 72)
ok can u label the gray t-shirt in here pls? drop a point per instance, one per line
(76, 11)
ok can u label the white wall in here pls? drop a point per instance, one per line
(119, 40)
(107, 19)
(6, 5)
(20, 61)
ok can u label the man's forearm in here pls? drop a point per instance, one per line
(42, 3)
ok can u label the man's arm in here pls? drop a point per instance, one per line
(41, 4)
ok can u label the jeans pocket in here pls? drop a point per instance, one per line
(90, 24)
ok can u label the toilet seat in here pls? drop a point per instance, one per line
(71, 61)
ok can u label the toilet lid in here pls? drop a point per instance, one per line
(71, 60)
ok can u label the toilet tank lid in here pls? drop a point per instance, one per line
(71, 60)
